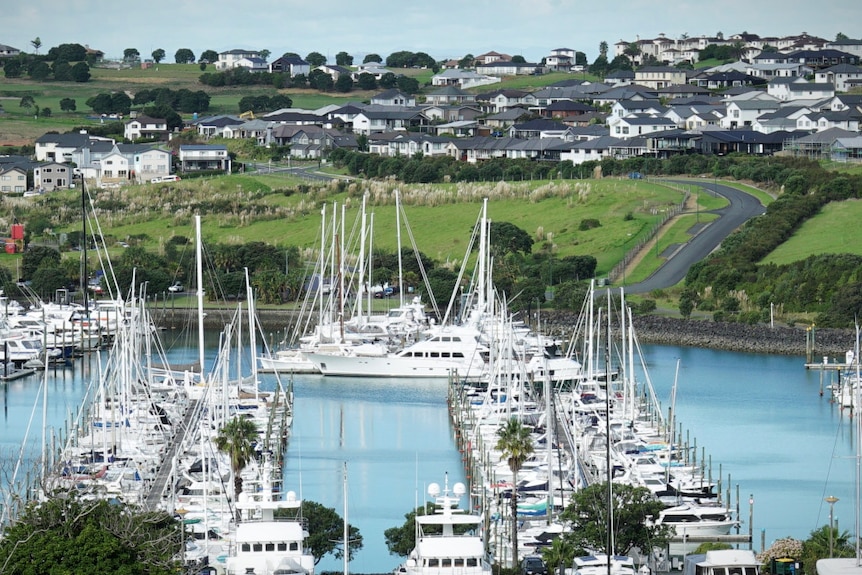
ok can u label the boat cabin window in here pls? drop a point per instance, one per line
(270, 547)
(457, 354)
(246, 548)
(458, 562)
(294, 546)
(446, 563)
(434, 354)
(257, 547)
(472, 562)
(433, 563)
(282, 546)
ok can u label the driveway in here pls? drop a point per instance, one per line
(742, 207)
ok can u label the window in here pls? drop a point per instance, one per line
(270, 547)
(294, 546)
(257, 547)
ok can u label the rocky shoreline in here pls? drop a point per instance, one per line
(652, 329)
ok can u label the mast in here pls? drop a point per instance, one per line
(346, 527)
(200, 294)
(361, 283)
(398, 241)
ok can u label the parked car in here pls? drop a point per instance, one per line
(533, 565)
(176, 288)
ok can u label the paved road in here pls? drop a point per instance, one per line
(742, 208)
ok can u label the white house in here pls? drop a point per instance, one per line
(230, 58)
(204, 157)
(145, 127)
(744, 112)
(842, 76)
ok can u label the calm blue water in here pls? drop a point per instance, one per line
(760, 417)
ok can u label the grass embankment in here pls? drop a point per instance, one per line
(835, 230)
(269, 208)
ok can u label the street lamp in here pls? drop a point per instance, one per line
(831, 500)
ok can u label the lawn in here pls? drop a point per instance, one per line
(835, 230)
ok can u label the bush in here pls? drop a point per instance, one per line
(588, 224)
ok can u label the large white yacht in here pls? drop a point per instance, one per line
(440, 550)
(446, 352)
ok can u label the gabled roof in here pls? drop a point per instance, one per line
(541, 124)
(826, 136)
(842, 69)
(391, 94)
(141, 119)
(219, 121)
(569, 106)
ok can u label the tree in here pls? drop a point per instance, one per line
(27, 102)
(515, 446)
(372, 58)
(518, 59)
(366, 81)
(131, 54)
(158, 55)
(632, 51)
(468, 61)
(67, 105)
(344, 83)
(237, 439)
(81, 72)
(46, 112)
(13, 68)
(74, 535)
(265, 54)
(633, 510)
(505, 238)
(343, 59)
(47, 279)
(36, 43)
(603, 49)
(184, 56)
(326, 530)
(315, 59)
(818, 543)
(320, 80)
(39, 70)
(407, 84)
(839, 37)
(208, 56)
(559, 554)
(388, 80)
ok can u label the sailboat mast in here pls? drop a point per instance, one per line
(346, 527)
(200, 294)
(84, 271)
(360, 285)
(398, 241)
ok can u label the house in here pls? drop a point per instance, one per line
(59, 147)
(195, 158)
(499, 100)
(119, 164)
(744, 112)
(214, 126)
(722, 142)
(252, 64)
(847, 149)
(145, 127)
(336, 71)
(449, 95)
(770, 70)
(8, 51)
(258, 130)
(565, 109)
(406, 144)
(376, 69)
(540, 128)
(848, 45)
(379, 119)
(311, 142)
(293, 65)
(462, 78)
(491, 57)
(231, 58)
(52, 176)
(393, 97)
(620, 78)
(787, 89)
(505, 68)
(13, 180)
(594, 149)
(657, 77)
(639, 125)
(628, 107)
(560, 60)
(455, 113)
(842, 76)
(507, 117)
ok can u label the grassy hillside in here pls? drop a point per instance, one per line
(274, 209)
(835, 230)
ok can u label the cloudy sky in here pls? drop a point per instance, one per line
(442, 28)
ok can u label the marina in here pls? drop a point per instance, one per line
(396, 438)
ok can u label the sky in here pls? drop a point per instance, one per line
(442, 28)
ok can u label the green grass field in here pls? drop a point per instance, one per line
(835, 230)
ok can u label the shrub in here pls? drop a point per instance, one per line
(588, 224)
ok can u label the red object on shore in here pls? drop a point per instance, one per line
(17, 231)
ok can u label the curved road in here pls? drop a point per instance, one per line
(742, 208)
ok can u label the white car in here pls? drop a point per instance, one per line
(176, 288)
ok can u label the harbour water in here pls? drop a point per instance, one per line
(759, 417)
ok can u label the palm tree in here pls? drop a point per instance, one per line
(560, 553)
(515, 444)
(237, 439)
(603, 49)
